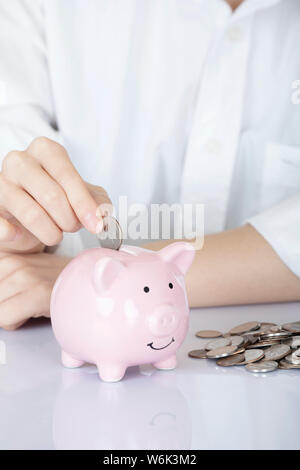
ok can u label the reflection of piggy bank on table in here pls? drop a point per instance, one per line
(122, 308)
(142, 412)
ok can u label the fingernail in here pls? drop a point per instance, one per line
(100, 226)
(104, 210)
(90, 221)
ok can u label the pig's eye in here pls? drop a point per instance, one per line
(170, 285)
(146, 289)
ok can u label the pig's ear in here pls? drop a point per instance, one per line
(106, 270)
(181, 254)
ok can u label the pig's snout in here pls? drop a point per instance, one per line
(164, 320)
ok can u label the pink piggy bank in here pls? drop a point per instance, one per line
(122, 308)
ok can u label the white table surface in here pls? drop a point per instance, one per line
(197, 406)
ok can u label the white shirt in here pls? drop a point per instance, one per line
(165, 101)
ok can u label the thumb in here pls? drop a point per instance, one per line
(100, 196)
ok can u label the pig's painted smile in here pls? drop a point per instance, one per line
(164, 347)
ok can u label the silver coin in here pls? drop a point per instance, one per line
(293, 342)
(236, 340)
(111, 236)
(221, 352)
(262, 344)
(292, 327)
(208, 334)
(275, 329)
(253, 355)
(283, 364)
(244, 328)
(239, 350)
(261, 331)
(276, 352)
(217, 343)
(262, 366)
(278, 335)
(198, 354)
(249, 339)
(294, 358)
(231, 360)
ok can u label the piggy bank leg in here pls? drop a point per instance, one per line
(167, 364)
(69, 361)
(111, 372)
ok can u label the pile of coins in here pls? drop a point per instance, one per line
(260, 347)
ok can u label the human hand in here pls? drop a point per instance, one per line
(42, 195)
(26, 282)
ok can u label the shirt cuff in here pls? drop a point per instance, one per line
(280, 226)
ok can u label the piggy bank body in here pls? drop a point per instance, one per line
(122, 308)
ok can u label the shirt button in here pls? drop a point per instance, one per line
(213, 146)
(234, 34)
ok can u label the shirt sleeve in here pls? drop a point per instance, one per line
(26, 106)
(280, 226)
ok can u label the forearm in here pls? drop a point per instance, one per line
(238, 267)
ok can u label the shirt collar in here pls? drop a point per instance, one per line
(251, 6)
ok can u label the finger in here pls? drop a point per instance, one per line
(43, 259)
(29, 175)
(100, 196)
(19, 308)
(8, 231)
(24, 242)
(30, 214)
(11, 262)
(22, 279)
(14, 326)
(55, 160)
